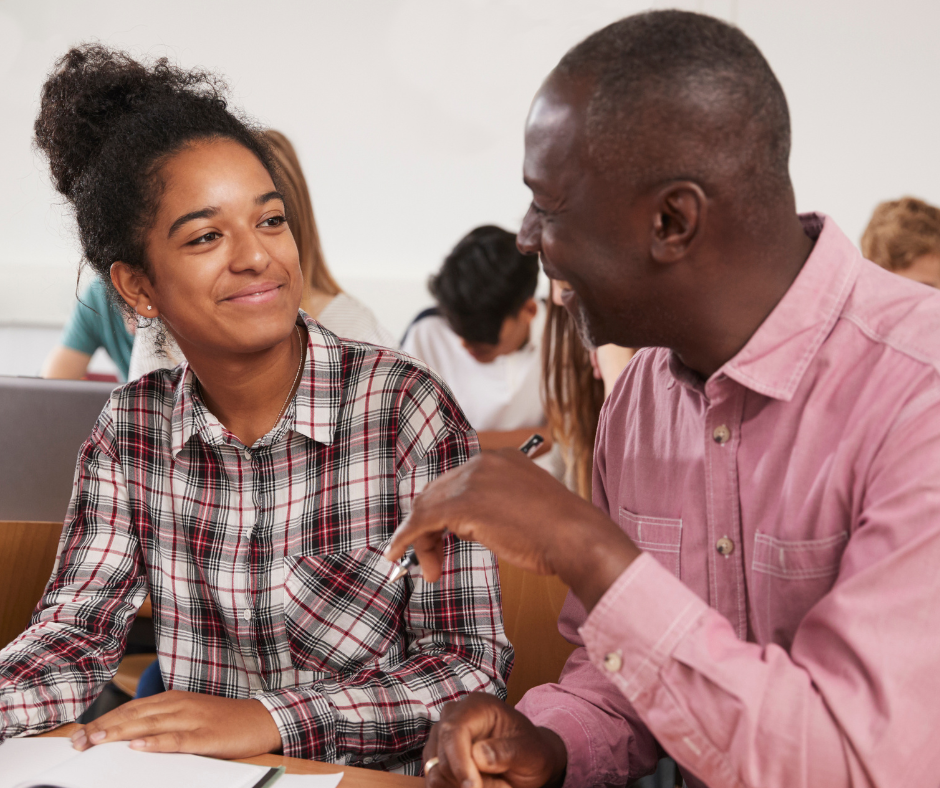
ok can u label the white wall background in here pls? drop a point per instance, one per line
(408, 115)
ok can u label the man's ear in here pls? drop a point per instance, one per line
(680, 214)
(135, 288)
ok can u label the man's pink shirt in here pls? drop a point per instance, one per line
(782, 627)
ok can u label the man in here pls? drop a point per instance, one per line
(485, 335)
(904, 236)
(756, 590)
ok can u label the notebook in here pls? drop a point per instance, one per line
(52, 763)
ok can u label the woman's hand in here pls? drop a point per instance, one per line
(186, 722)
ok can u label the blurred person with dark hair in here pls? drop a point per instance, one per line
(484, 337)
(904, 236)
(322, 299)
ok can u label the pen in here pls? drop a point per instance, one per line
(410, 559)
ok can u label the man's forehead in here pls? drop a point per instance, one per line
(554, 128)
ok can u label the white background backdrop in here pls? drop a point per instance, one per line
(408, 118)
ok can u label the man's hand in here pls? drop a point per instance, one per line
(482, 742)
(186, 722)
(524, 515)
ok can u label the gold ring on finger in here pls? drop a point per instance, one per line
(430, 763)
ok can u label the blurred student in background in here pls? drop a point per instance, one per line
(575, 383)
(904, 236)
(484, 337)
(323, 299)
(94, 323)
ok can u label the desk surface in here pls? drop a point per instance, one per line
(353, 777)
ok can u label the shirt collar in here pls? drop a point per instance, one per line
(777, 355)
(313, 412)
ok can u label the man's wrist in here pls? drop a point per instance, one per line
(593, 556)
(557, 755)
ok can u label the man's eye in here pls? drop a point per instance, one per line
(273, 221)
(204, 239)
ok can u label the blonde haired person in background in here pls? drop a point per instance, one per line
(904, 236)
(323, 299)
(575, 383)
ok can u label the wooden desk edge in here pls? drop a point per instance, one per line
(353, 776)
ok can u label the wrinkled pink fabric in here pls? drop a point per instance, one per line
(808, 655)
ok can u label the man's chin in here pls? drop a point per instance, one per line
(586, 329)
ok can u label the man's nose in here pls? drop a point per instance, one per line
(529, 237)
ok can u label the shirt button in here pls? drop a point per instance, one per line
(613, 662)
(725, 546)
(246, 614)
(721, 434)
(246, 454)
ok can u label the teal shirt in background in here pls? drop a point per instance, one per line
(96, 322)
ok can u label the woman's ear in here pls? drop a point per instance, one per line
(680, 215)
(135, 288)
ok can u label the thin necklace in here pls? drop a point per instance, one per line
(300, 366)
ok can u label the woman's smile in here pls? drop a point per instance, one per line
(257, 293)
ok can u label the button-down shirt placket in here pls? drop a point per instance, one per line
(725, 400)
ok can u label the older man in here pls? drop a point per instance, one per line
(756, 588)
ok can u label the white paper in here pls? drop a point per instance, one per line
(110, 766)
(20, 759)
(309, 780)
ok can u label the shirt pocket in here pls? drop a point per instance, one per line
(661, 537)
(341, 610)
(790, 576)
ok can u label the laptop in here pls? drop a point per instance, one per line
(43, 424)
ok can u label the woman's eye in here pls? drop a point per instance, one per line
(204, 239)
(538, 211)
(273, 221)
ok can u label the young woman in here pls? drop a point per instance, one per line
(251, 490)
(322, 298)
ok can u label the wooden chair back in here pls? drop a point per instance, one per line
(531, 606)
(27, 555)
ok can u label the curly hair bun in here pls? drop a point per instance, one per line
(91, 88)
(107, 123)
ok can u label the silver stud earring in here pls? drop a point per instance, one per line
(149, 307)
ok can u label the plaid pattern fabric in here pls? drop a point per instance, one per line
(265, 564)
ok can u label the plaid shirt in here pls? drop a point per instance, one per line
(264, 564)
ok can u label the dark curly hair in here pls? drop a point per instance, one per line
(108, 123)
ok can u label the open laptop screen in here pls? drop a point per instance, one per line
(43, 424)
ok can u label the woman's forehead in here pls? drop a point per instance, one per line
(218, 170)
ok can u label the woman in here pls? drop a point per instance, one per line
(575, 383)
(250, 490)
(322, 297)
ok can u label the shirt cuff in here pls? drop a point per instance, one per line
(582, 767)
(305, 721)
(635, 626)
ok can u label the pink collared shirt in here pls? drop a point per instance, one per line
(783, 625)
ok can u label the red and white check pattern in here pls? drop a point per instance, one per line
(265, 564)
